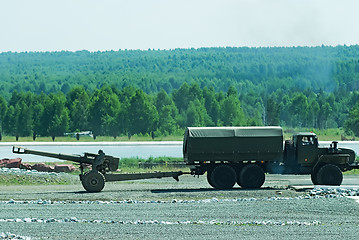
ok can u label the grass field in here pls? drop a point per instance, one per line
(90, 139)
(323, 135)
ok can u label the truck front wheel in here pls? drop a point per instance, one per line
(251, 176)
(223, 177)
(209, 178)
(330, 174)
(314, 176)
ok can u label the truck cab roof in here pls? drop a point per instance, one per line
(305, 134)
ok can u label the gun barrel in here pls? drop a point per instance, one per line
(68, 157)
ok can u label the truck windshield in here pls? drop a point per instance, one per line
(309, 140)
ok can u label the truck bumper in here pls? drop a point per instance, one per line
(354, 165)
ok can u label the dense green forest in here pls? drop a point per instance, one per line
(163, 91)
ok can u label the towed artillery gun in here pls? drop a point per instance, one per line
(230, 155)
(101, 167)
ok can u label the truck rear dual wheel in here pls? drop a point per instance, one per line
(222, 177)
(93, 181)
(330, 174)
(251, 176)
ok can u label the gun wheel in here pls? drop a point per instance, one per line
(93, 181)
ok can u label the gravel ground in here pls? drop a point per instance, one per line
(189, 209)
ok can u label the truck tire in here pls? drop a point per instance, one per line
(209, 178)
(223, 177)
(238, 178)
(93, 181)
(330, 174)
(314, 177)
(251, 176)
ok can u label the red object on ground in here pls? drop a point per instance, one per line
(26, 166)
(42, 167)
(10, 163)
(64, 168)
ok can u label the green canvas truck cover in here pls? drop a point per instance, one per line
(199, 132)
(232, 143)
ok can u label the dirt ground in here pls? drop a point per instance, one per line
(188, 209)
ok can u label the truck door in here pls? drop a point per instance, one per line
(307, 149)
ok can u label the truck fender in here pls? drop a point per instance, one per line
(335, 159)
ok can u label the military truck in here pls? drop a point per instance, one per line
(243, 155)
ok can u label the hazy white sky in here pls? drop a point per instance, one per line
(55, 25)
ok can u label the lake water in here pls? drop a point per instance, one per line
(118, 149)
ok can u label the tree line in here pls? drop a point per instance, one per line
(109, 111)
(246, 69)
(163, 91)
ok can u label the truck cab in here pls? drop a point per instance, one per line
(303, 155)
(306, 150)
